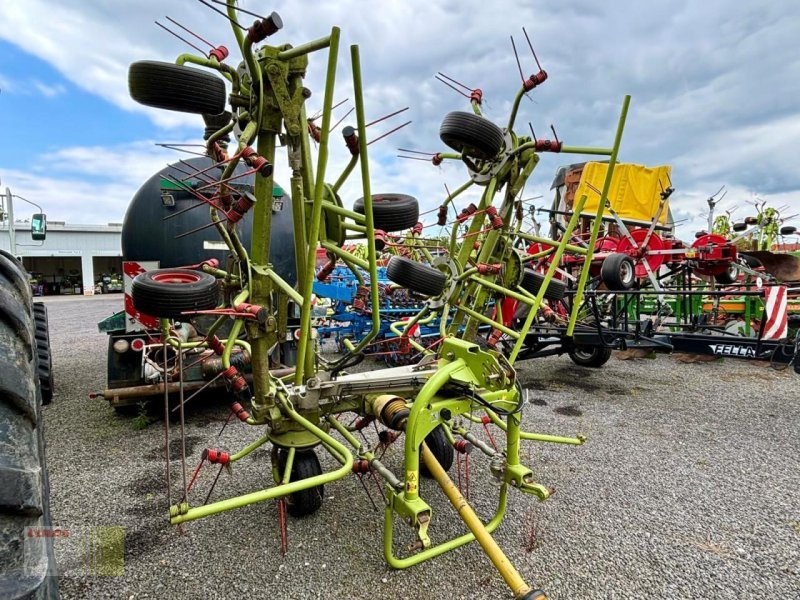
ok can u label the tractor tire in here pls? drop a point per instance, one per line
(305, 465)
(788, 230)
(44, 357)
(168, 293)
(415, 276)
(739, 227)
(593, 357)
(27, 564)
(176, 87)
(532, 282)
(471, 135)
(441, 448)
(618, 272)
(391, 212)
(728, 276)
(14, 273)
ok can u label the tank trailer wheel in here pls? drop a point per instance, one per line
(618, 272)
(441, 448)
(532, 282)
(471, 135)
(415, 276)
(176, 87)
(305, 465)
(391, 212)
(168, 293)
(45, 360)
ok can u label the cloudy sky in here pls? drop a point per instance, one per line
(715, 87)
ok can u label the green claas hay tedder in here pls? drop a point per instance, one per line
(459, 379)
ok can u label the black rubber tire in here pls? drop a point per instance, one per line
(618, 272)
(739, 227)
(728, 276)
(441, 448)
(44, 358)
(415, 276)
(590, 356)
(24, 487)
(14, 273)
(751, 220)
(176, 87)
(699, 234)
(532, 282)
(168, 293)
(788, 230)
(391, 212)
(305, 465)
(751, 261)
(471, 135)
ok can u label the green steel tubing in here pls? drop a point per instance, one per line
(459, 189)
(515, 108)
(354, 270)
(287, 468)
(372, 258)
(553, 244)
(548, 278)
(234, 16)
(305, 367)
(211, 63)
(586, 150)
(344, 254)
(236, 328)
(281, 490)
(340, 210)
(598, 217)
(415, 559)
(487, 321)
(249, 448)
(312, 46)
(285, 287)
(345, 173)
(408, 324)
(578, 440)
(498, 288)
(421, 402)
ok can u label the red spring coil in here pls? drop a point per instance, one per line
(314, 131)
(381, 239)
(350, 140)
(215, 344)
(463, 446)
(487, 269)
(486, 419)
(520, 212)
(239, 209)
(361, 466)
(363, 422)
(495, 219)
(476, 96)
(417, 229)
(259, 312)
(441, 217)
(217, 457)
(261, 29)
(259, 163)
(493, 338)
(534, 80)
(326, 270)
(386, 437)
(476, 246)
(437, 159)
(465, 214)
(549, 145)
(240, 412)
(220, 53)
(235, 380)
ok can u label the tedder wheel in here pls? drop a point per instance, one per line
(472, 135)
(168, 293)
(305, 465)
(618, 272)
(415, 276)
(590, 356)
(751, 261)
(532, 282)
(437, 443)
(44, 358)
(751, 220)
(176, 87)
(26, 563)
(788, 230)
(391, 212)
(737, 227)
(728, 276)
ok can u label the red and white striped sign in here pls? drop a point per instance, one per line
(134, 320)
(775, 313)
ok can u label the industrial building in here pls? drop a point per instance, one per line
(71, 260)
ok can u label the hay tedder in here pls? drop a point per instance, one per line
(457, 380)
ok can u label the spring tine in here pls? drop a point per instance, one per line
(536, 58)
(416, 152)
(452, 87)
(397, 112)
(184, 40)
(364, 485)
(342, 119)
(187, 30)
(390, 132)
(466, 87)
(177, 147)
(166, 422)
(180, 212)
(516, 56)
(196, 229)
(213, 485)
(247, 12)
(532, 133)
(413, 158)
(223, 14)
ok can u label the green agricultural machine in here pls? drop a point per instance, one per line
(459, 379)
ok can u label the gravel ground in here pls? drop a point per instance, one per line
(687, 488)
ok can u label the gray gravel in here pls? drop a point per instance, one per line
(687, 488)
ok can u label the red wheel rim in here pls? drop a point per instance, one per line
(639, 254)
(176, 277)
